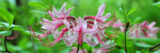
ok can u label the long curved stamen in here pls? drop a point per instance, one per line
(51, 14)
(63, 32)
(100, 40)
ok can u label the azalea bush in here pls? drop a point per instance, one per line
(79, 26)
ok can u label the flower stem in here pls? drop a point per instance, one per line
(77, 48)
(125, 45)
(90, 49)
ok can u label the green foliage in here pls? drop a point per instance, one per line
(4, 14)
(157, 4)
(142, 45)
(148, 40)
(5, 33)
(131, 11)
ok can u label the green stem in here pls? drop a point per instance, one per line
(125, 45)
(90, 50)
(77, 48)
(34, 49)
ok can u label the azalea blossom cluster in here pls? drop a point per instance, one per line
(143, 30)
(89, 29)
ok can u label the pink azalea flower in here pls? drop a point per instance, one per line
(98, 25)
(117, 24)
(82, 30)
(144, 30)
(60, 18)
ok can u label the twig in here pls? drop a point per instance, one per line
(154, 47)
(125, 45)
(34, 49)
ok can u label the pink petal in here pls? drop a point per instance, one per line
(155, 30)
(106, 17)
(63, 8)
(45, 27)
(66, 23)
(51, 14)
(144, 23)
(67, 12)
(151, 25)
(101, 10)
(95, 26)
(56, 12)
(72, 39)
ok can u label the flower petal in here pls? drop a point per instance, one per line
(105, 17)
(66, 23)
(101, 10)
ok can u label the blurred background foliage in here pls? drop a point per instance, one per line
(18, 14)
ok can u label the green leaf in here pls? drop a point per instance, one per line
(156, 4)
(137, 19)
(148, 40)
(21, 30)
(143, 45)
(6, 16)
(15, 28)
(123, 10)
(2, 43)
(5, 33)
(131, 11)
(3, 24)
